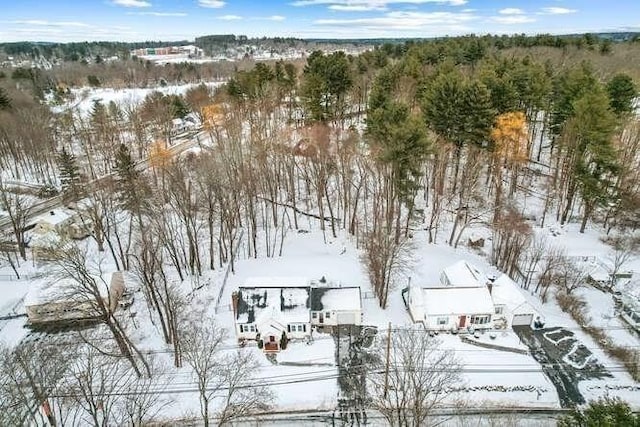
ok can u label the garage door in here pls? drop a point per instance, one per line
(347, 318)
(522, 320)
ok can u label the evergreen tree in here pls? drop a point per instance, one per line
(5, 101)
(130, 184)
(596, 167)
(326, 82)
(459, 111)
(398, 137)
(70, 178)
(622, 93)
(604, 412)
(568, 87)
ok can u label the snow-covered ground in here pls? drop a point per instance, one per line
(305, 374)
(84, 97)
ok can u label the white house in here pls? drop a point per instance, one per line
(335, 306)
(60, 300)
(466, 298)
(268, 308)
(451, 307)
(510, 304)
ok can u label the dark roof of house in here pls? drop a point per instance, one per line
(337, 299)
(315, 298)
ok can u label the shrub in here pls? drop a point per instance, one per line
(283, 341)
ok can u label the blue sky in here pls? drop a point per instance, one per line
(134, 20)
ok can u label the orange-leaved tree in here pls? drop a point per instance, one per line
(212, 116)
(509, 136)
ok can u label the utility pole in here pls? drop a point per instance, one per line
(386, 370)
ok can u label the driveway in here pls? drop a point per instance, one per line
(564, 360)
(352, 357)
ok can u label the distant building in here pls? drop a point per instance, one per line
(187, 50)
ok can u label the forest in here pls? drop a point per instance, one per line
(448, 136)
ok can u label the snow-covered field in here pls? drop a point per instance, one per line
(84, 97)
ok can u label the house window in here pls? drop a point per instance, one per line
(443, 320)
(327, 315)
(480, 319)
(248, 328)
(297, 327)
(314, 315)
(499, 309)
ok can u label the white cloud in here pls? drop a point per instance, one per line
(229, 17)
(132, 3)
(512, 19)
(214, 4)
(511, 11)
(158, 13)
(277, 18)
(399, 20)
(356, 7)
(43, 23)
(369, 5)
(556, 11)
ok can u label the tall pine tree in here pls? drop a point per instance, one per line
(130, 184)
(70, 178)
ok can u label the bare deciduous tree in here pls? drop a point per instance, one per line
(17, 207)
(623, 249)
(415, 381)
(86, 285)
(29, 374)
(223, 379)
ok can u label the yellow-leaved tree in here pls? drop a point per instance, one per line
(212, 116)
(159, 155)
(510, 137)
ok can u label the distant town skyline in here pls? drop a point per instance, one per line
(139, 20)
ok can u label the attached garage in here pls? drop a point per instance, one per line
(510, 303)
(348, 318)
(522, 319)
(335, 306)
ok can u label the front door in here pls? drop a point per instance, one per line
(463, 319)
(321, 318)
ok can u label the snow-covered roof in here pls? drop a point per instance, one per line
(262, 305)
(336, 299)
(463, 274)
(49, 240)
(45, 290)
(279, 282)
(53, 217)
(506, 292)
(457, 300)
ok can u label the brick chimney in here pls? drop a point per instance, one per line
(234, 303)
